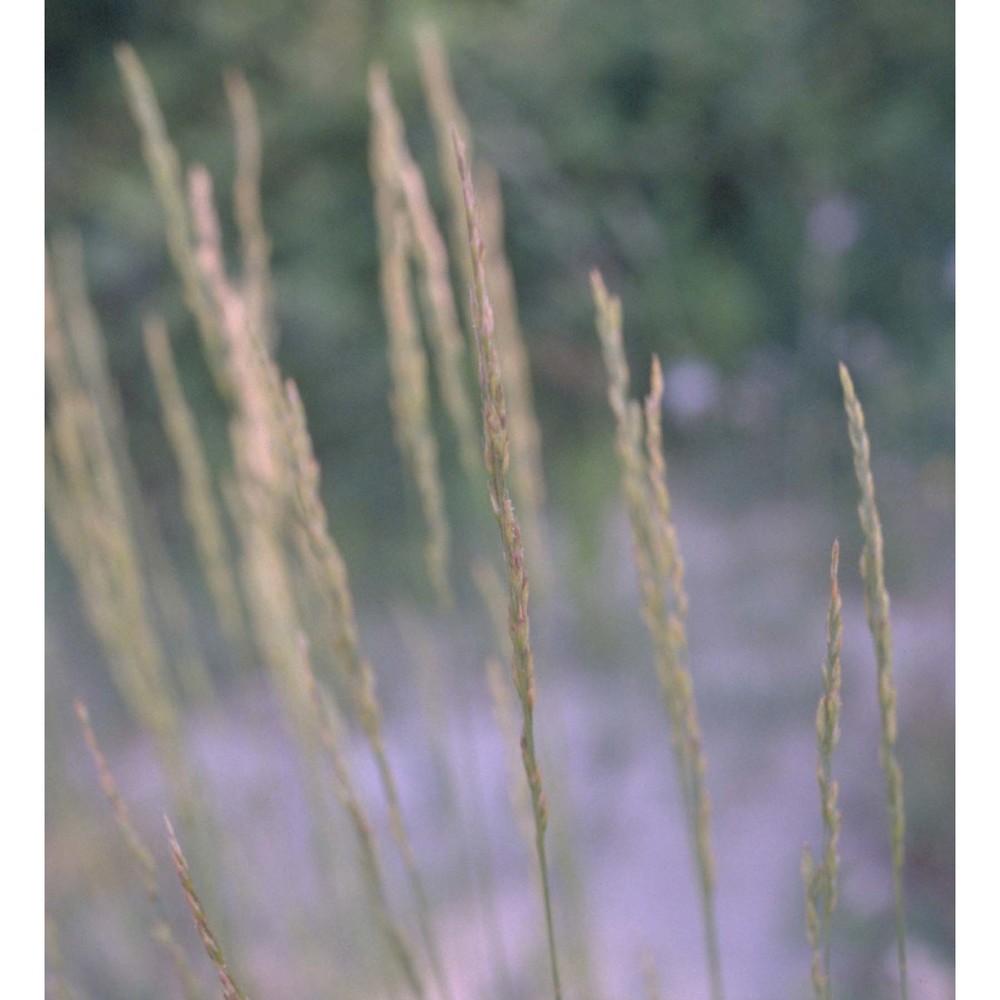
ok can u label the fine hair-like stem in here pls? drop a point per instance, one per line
(230, 991)
(496, 454)
(661, 581)
(820, 877)
(877, 611)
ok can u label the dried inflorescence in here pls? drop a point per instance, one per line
(661, 582)
(820, 877)
(877, 609)
(496, 454)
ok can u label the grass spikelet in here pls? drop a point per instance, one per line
(323, 715)
(142, 857)
(821, 878)
(165, 169)
(527, 477)
(877, 610)
(257, 289)
(446, 113)
(496, 453)
(198, 495)
(329, 575)
(661, 581)
(80, 368)
(430, 254)
(503, 712)
(230, 991)
(89, 512)
(407, 359)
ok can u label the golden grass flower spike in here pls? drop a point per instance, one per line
(410, 399)
(198, 493)
(230, 991)
(165, 169)
(344, 787)
(257, 288)
(877, 609)
(661, 582)
(142, 857)
(820, 877)
(496, 454)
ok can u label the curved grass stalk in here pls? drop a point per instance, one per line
(821, 878)
(496, 452)
(408, 364)
(877, 611)
(230, 991)
(142, 858)
(344, 787)
(661, 581)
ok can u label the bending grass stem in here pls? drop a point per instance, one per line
(496, 454)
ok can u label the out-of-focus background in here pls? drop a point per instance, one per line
(769, 187)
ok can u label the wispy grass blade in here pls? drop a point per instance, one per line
(527, 480)
(81, 368)
(504, 713)
(197, 490)
(142, 858)
(430, 255)
(257, 288)
(408, 364)
(661, 581)
(329, 574)
(446, 113)
(526, 471)
(323, 715)
(821, 878)
(877, 610)
(230, 991)
(89, 512)
(496, 451)
(168, 180)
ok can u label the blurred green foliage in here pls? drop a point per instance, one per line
(758, 179)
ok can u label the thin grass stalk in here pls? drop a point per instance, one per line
(89, 512)
(410, 399)
(256, 284)
(142, 858)
(526, 471)
(661, 582)
(230, 991)
(165, 169)
(430, 254)
(329, 573)
(468, 808)
(669, 568)
(821, 878)
(323, 719)
(197, 493)
(447, 114)
(527, 477)
(518, 793)
(86, 355)
(496, 454)
(877, 611)
(259, 496)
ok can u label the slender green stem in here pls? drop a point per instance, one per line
(496, 453)
(877, 609)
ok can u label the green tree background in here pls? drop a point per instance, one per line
(683, 147)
